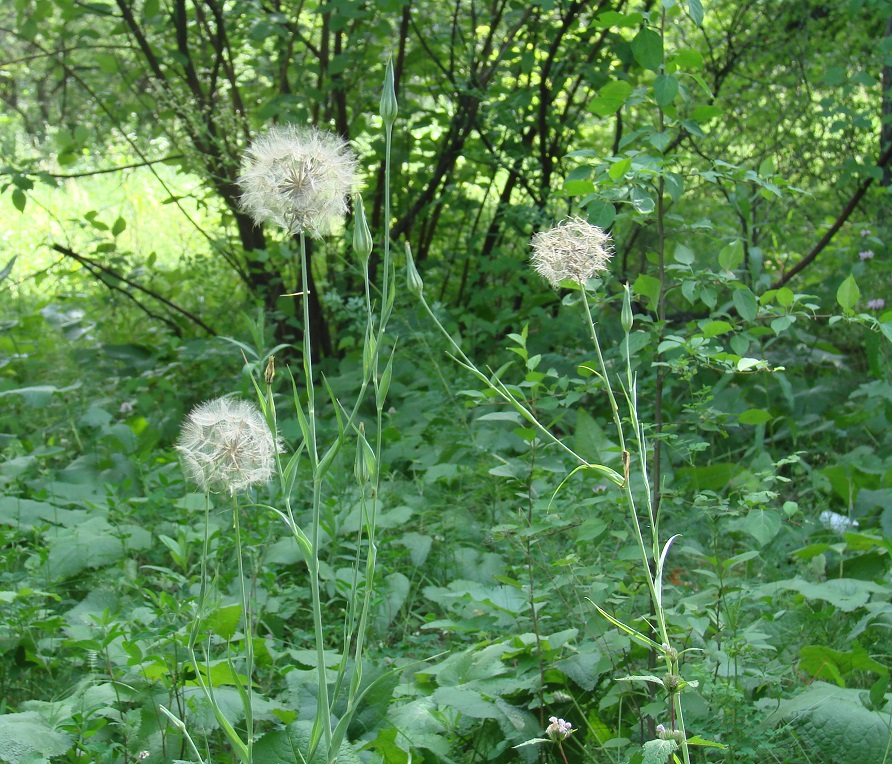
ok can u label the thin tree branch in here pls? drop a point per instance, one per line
(96, 267)
(840, 220)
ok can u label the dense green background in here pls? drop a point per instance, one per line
(738, 153)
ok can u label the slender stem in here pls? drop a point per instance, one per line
(323, 711)
(249, 634)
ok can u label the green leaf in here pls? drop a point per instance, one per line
(683, 254)
(754, 416)
(649, 287)
(832, 725)
(601, 214)
(715, 328)
(785, 297)
(611, 98)
(119, 226)
(8, 268)
(224, 620)
(19, 200)
(665, 89)
(620, 168)
(26, 738)
(293, 744)
(746, 304)
(642, 201)
(731, 255)
(647, 48)
(848, 293)
(658, 751)
(762, 524)
(695, 8)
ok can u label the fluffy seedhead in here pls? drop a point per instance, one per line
(298, 178)
(226, 445)
(574, 250)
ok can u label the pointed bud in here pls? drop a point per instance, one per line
(270, 374)
(362, 236)
(388, 107)
(413, 280)
(626, 315)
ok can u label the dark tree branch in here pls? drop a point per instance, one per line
(103, 273)
(849, 208)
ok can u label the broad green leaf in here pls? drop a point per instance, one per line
(649, 287)
(665, 89)
(762, 524)
(746, 304)
(754, 416)
(731, 255)
(848, 293)
(27, 738)
(225, 620)
(642, 201)
(601, 214)
(832, 725)
(695, 8)
(647, 48)
(620, 168)
(119, 226)
(785, 297)
(683, 255)
(715, 328)
(19, 199)
(658, 751)
(611, 98)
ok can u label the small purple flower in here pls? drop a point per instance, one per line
(865, 232)
(866, 254)
(559, 729)
(126, 407)
(878, 304)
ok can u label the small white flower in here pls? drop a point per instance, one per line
(836, 522)
(298, 178)
(226, 444)
(558, 729)
(574, 250)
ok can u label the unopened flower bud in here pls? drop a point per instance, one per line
(626, 314)
(362, 236)
(413, 280)
(388, 107)
(270, 373)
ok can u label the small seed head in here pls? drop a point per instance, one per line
(298, 178)
(574, 250)
(225, 444)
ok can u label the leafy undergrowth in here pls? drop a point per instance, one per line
(482, 625)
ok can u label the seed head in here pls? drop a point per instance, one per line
(225, 444)
(298, 178)
(574, 250)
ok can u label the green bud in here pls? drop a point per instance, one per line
(362, 236)
(626, 315)
(388, 107)
(413, 280)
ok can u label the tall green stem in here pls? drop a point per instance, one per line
(323, 711)
(249, 632)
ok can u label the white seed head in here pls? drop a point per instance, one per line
(298, 178)
(225, 444)
(574, 250)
